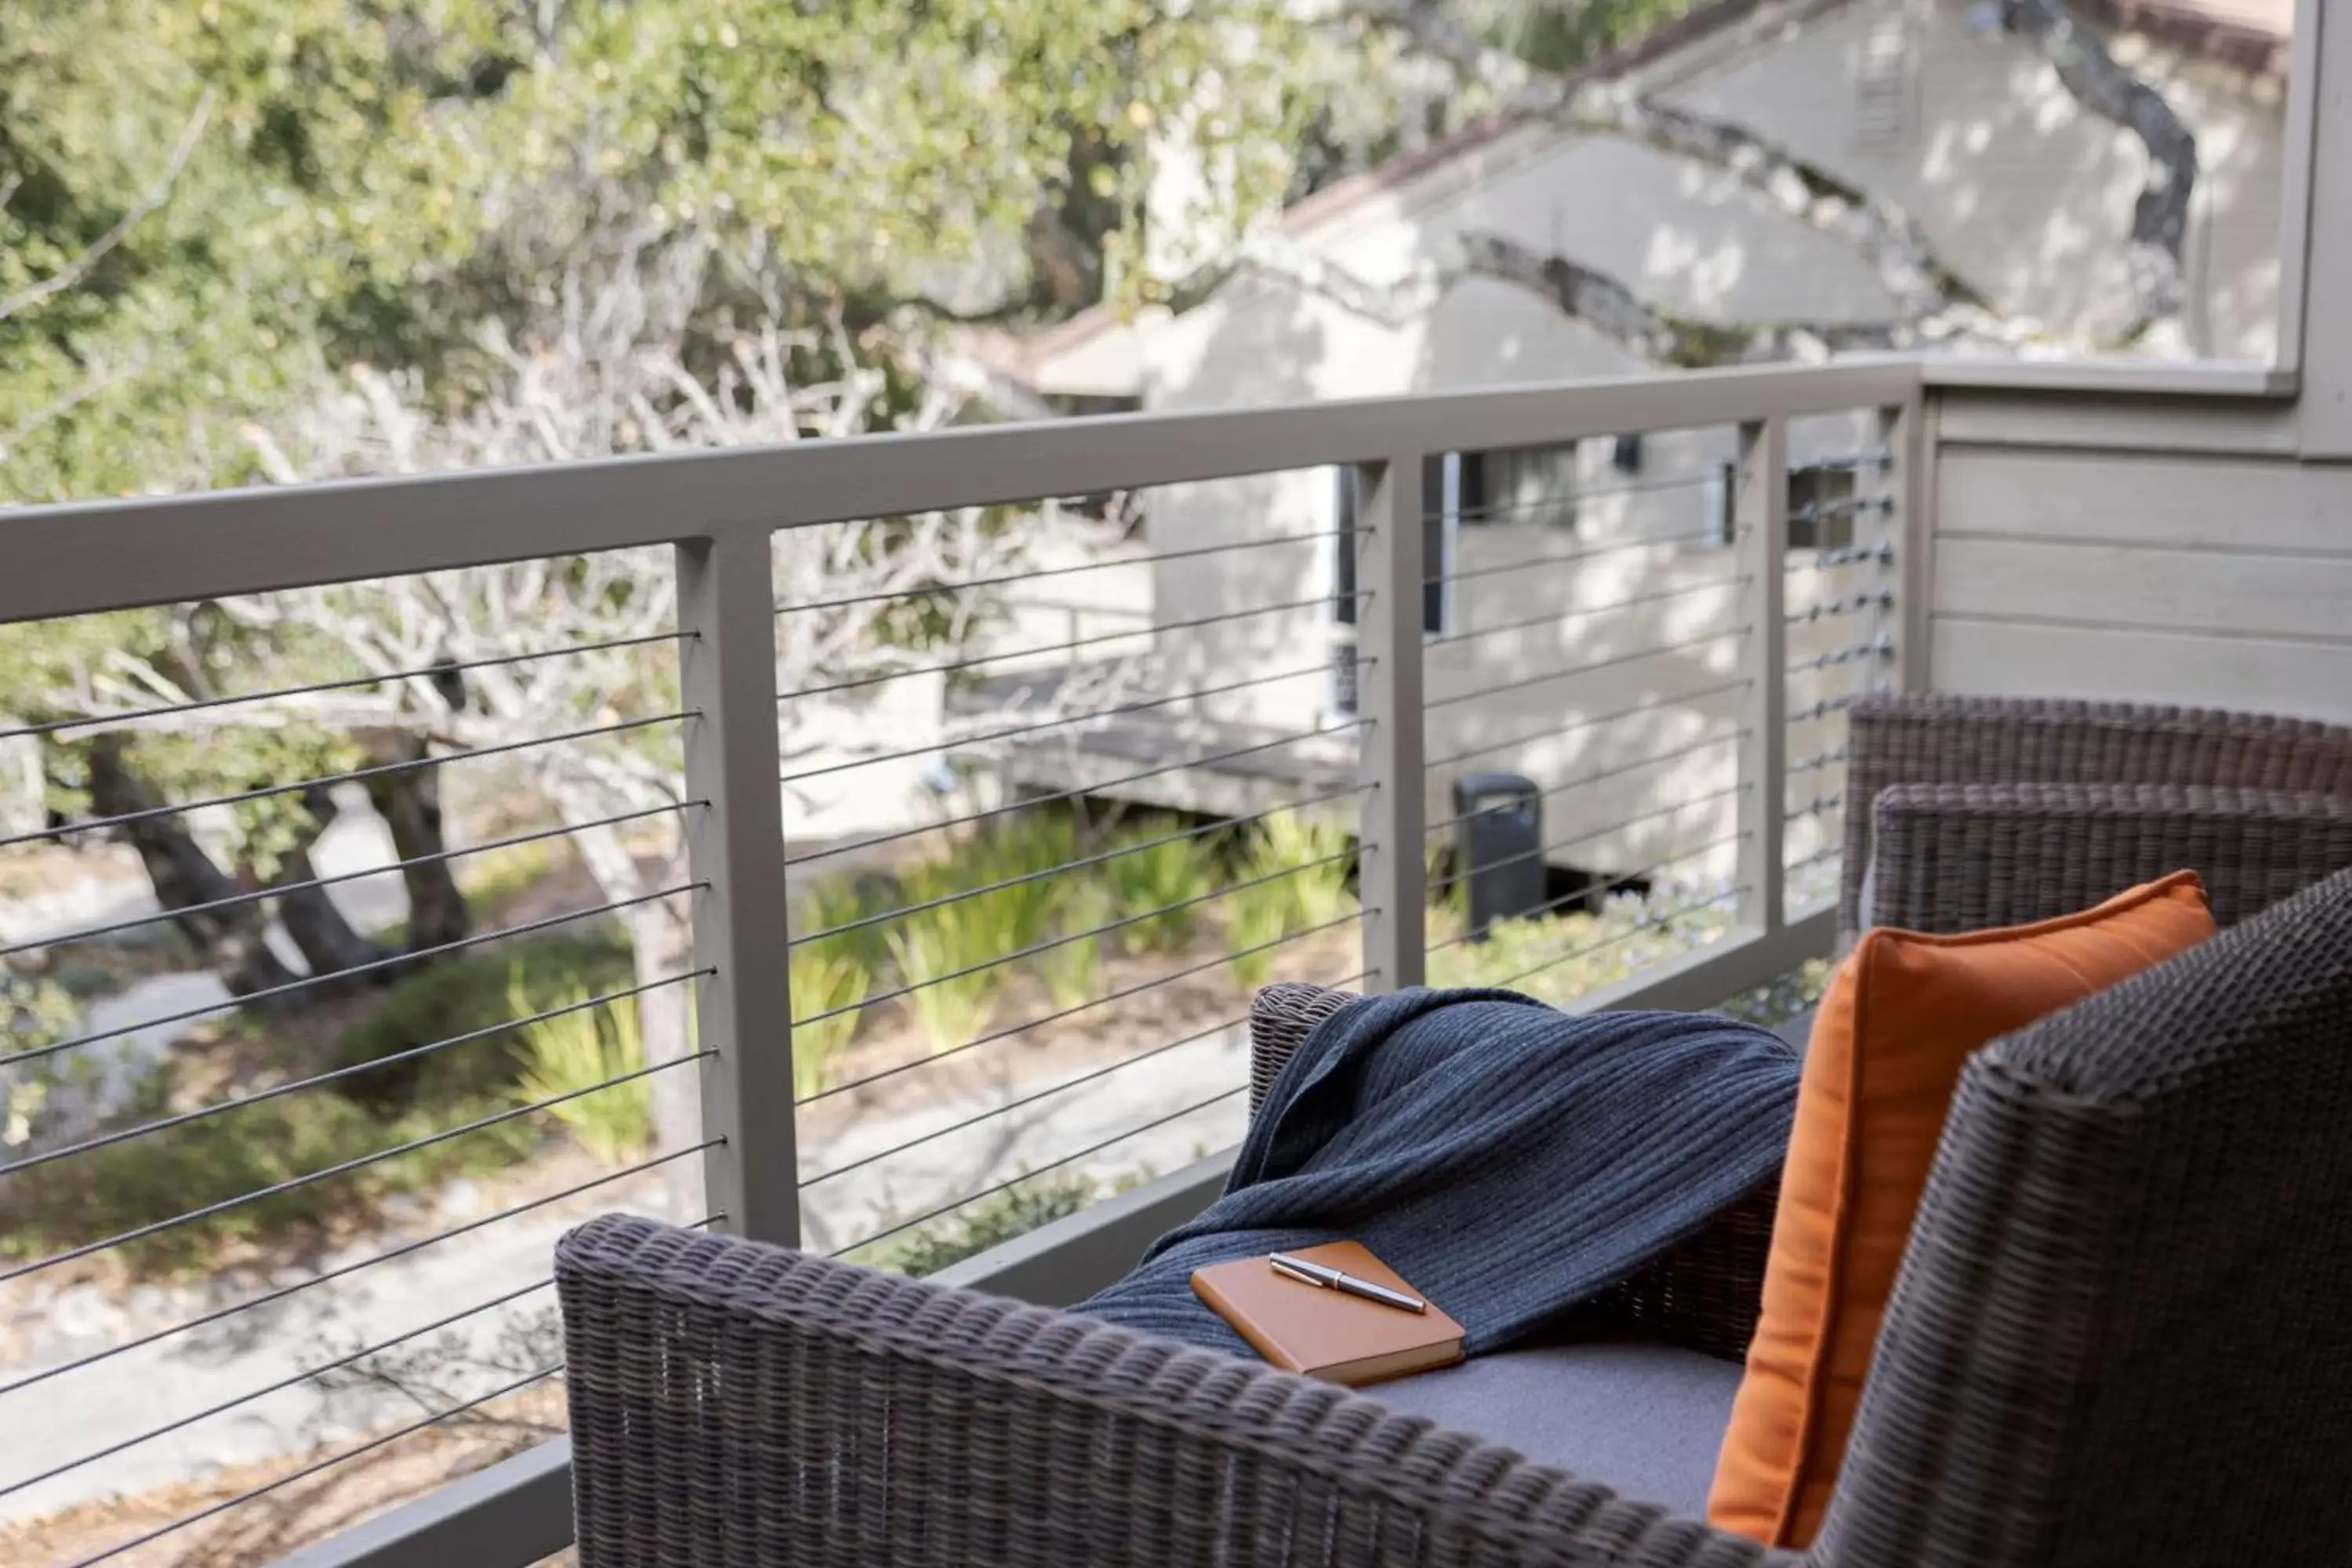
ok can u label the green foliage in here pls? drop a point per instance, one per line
(982, 1224)
(829, 972)
(1299, 874)
(467, 991)
(573, 1052)
(1073, 971)
(370, 181)
(108, 1191)
(1559, 958)
(1154, 875)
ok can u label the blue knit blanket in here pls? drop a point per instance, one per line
(1509, 1160)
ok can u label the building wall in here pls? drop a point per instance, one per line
(2026, 194)
(2166, 554)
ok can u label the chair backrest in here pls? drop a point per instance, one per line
(1940, 738)
(2123, 1329)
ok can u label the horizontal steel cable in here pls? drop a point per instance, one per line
(280, 1293)
(1038, 1171)
(1668, 918)
(1567, 558)
(1814, 808)
(456, 667)
(1831, 852)
(202, 1112)
(1522, 684)
(1649, 705)
(278, 1387)
(1144, 631)
(1222, 825)
(1830, 758)
(185, 1519)
(1883, 552)
(1721, 738)
(1207, 758)
(1841, 506)
(1830, 608)
(935, 590)
(1826, 706)
(148, 814)
(1567, 504)
(1106, 999)
(39, 1053)
(1555, 617)
(293, 1183)
(1600, 884)
(1618, 826)
(1036, 947)
(1883, 646)
(984, 738)
(280, 889)
(1031, 1098)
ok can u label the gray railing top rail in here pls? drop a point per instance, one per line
(103, 555)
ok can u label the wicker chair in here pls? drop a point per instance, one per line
(2123, 1332)
(1989, 811)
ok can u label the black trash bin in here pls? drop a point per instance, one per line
(1498, 847)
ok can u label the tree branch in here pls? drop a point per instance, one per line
(75, 270)
(1602, 303)
(2160, 218)
(1885, 235)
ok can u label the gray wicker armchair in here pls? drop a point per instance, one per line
(2123, 1332)
(1992, 811)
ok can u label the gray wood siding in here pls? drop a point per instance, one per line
(2220, 579)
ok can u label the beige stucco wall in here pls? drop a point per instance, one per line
(2029, 197)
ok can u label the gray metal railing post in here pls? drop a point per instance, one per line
(743, 1009)
(1902, 432)
(1395, 873)
(1763, 551)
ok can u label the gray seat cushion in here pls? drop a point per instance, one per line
(1645, 1419)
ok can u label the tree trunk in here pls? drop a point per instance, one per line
(410, 804)
(327, 941)
(231, 941)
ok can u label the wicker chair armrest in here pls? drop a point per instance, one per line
(735, 1404)
(1954, 858)
(1281, 1017)
(1942, 738)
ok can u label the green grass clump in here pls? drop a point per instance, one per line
(119, 1188)
(981, 1225)
(1297, 880)
(573, 1052)
(1153, 873)
(456, 995)
(831, 973)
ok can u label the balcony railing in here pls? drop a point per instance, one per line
(1659, 653)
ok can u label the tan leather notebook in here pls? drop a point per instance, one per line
(1325, 1333)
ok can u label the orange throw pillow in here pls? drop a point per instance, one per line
(1903, 1014)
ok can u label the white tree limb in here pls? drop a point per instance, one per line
(156, 194)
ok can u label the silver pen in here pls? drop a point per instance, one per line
(1331, 1278)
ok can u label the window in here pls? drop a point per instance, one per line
(1441, 485)
(1821, 505)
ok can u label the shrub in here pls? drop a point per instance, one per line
(830, 973)
(965, 931)
(456, 995)
(141, 1181)
(1150, 876)
(575, 1052)
(1298, 883)
(984, 1222)
(1073, 971)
